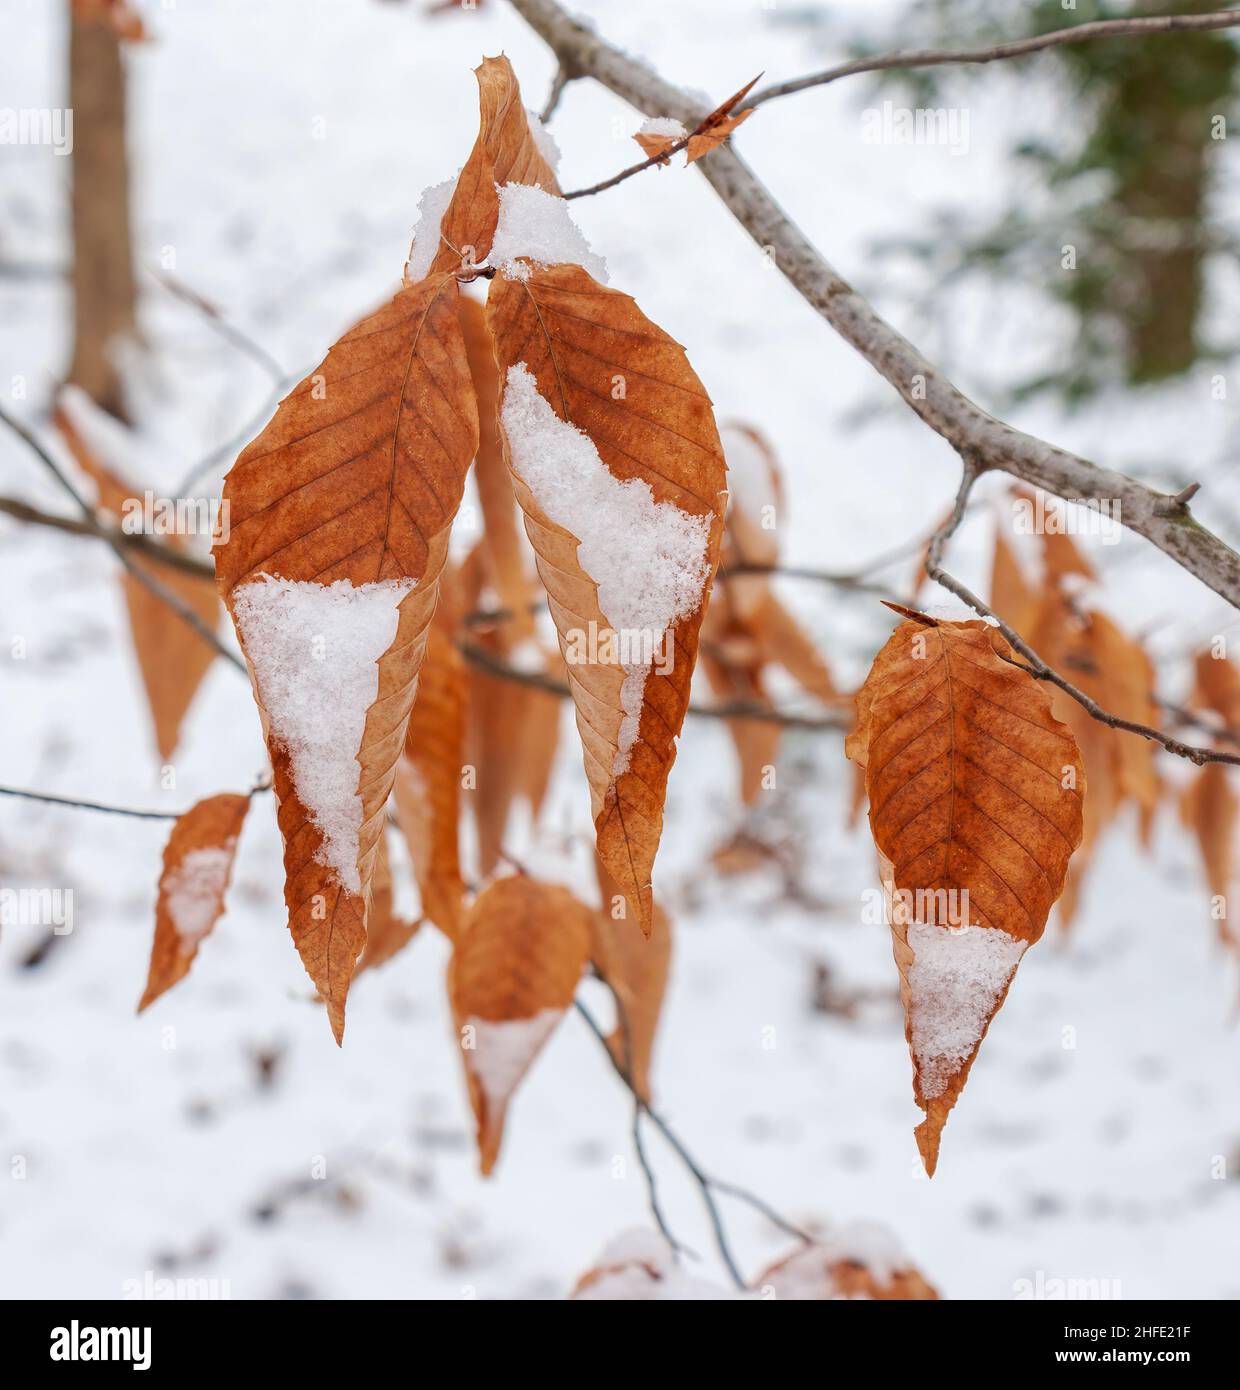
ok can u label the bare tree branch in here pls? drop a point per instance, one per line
(1018, 48)
(100, 531)
(1159, 517)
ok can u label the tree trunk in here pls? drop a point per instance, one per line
(103, 276)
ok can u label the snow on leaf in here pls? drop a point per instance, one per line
(975, 793)
(617, 467)
(340, 516)
(514, 971)
(198, 860)
(858, 1261)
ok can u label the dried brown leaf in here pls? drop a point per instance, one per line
(356, 480)
(577, 339)
(514, 971)
(975, 795)
(198, 862)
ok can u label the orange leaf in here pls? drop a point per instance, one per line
(428, 782)
(1210, 809)
(975, 794)
(514, 971)
(198, 862)
(511, 574)
(340, 514)
(588, 376)
(636, 969)
(707, 140)
(858, 1261)
(506, 151)
(386, 933)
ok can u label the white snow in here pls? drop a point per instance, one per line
(807, 1273)
(432, 205)
(544, 139)
(648, 558)
(956, 976)
(535, 226)
(314, 649)
(662, 125)
(503, 1051)
(194, 889)
(640, 1266)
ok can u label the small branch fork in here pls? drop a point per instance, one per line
(708, 1186)
(1039, 669)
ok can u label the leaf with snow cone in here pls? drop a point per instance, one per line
(514, 971)
(975, 793)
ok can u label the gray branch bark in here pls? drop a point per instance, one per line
(1163, 519)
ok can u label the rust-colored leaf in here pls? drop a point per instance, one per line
(1217, 688)
(514, 971)
(975, 795)
(511, 572)
(506, 151)
(581, 360)
(198, 862)
(859, 1261)
(340, 514)
(711, 138)
(428, 782)
(1210, 809)
(387, 933)
(636, 969)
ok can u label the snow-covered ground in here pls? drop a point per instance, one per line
(280, 148)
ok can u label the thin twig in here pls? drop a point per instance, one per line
(558, 83)
(921, 385)
(1017, 48)
(215, 320)
(143, 544)
(148, 581)
(237, 441)
(734, 709)
(1036, 667)
(261, 785)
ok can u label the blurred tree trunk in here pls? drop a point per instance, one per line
(103, 276)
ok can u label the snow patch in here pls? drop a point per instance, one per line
(315, 650)
(544, 139)
(536, 226)
(431, 207)
(647, 558)
(502, 1051)
(956, 977)
(639, 1266)
(662, 125)
(194, 889)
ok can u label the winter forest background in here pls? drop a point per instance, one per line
(277, 152)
